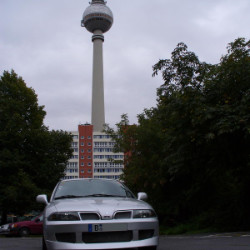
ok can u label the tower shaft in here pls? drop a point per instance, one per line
(97, 110)
(97, 19)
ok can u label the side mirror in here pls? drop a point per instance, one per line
(142, 196)
(42, 198)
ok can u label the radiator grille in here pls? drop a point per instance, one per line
(106, 237)
(90, 216)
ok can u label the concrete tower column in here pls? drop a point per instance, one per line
(98, 110)
(97, 19)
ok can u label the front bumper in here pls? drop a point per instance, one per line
(14, 231)
(52, 245)
(4, 231)
(113, 235)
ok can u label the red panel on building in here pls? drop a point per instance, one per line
(85, 151)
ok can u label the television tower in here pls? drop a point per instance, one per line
(97, 19)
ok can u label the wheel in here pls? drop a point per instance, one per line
(44, 244)
(24, 231)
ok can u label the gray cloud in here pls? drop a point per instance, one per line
(43, 42)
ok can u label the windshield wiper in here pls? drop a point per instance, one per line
(103, 195)
(68, 197)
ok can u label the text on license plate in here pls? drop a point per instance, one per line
(107, 227)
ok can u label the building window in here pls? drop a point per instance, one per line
(82, 164)
(89, 150)
(89, 137)
(82, 143)
(89, 157)
(89, 143)
(74, 144)
(82, 150)
(89, 164)
(82, 137)
(72, 165)
(82, 157)
(101, 136)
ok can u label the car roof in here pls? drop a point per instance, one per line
(87, 179)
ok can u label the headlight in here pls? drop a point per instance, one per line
(64, 216)
(14, 226)
(143, 213)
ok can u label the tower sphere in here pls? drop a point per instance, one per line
(97, 17)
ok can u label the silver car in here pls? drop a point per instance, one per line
(4, 229)
(97, 214)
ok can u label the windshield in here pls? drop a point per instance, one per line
(40, 217)
(91, 188)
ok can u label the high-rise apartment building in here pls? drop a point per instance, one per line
(93, 155)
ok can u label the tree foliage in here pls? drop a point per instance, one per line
(191, 152)
(32, 158)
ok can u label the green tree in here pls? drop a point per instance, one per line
(191, 153)
(32, 158)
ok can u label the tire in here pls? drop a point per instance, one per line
(24, 232)
(44, 244)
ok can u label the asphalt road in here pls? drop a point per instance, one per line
(232, 241)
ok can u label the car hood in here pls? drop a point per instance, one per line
(104, 206)
(23, 223)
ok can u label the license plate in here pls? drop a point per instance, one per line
(94, 228)
(107, 227)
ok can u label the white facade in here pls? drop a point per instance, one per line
(72, 170)
(106, 163)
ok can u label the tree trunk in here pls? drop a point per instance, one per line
(4, 217)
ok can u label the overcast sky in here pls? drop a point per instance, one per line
(43, 42)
